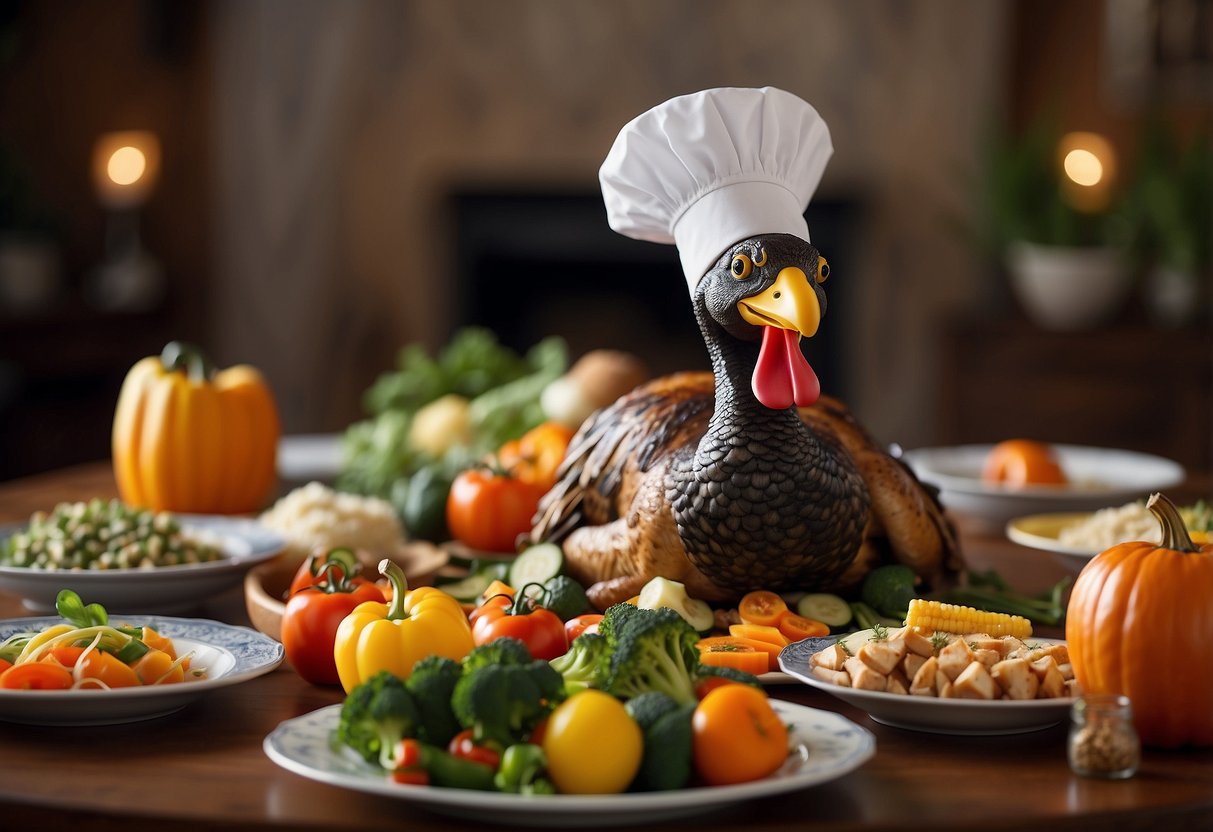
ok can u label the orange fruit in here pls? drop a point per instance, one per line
(1020, 462)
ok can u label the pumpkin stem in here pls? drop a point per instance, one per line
(1174, 532)
(178, 355)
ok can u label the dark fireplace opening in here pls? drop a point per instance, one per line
(531, 264)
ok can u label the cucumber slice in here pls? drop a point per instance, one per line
(826, 608)
(536, 565)
(662, 592)
(468, 590)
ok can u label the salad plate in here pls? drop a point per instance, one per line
(1097, 477)
(822, 747)
(927, 713)
(244, 542)
(230, 655)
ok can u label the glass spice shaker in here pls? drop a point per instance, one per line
(1103, 741)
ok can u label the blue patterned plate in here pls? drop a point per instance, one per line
(822, 746)
(229, 655)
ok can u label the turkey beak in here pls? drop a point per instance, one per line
(788, 303)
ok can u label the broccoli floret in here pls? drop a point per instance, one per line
(432, 683)
(376, 715)
(565, 597)
(617, 618)
(584, 665)
(667, 751)
(501, 703)
(647, 708)
(500, 651)
(730, 673)
(652, 650)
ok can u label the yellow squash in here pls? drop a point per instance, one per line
(189, 439)
(375, 637)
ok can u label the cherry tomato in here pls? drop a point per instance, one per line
(797, 627)
(462, 745)
(309, 625)
(737, 736)
(36, 676)
(593, 746)
(762, 607)
(587, 623)
(540, 630)
(488, 511)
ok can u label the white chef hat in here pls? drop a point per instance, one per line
(707, 169)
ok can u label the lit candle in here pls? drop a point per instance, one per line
(125, 167)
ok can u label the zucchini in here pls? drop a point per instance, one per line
(827, 608)
(536, 565)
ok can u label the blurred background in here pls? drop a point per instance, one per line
(1017, 213)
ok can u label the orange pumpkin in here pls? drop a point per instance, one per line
(1140, 623)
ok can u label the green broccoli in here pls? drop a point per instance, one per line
(432, 684)
(500, 651)
(501, 703)
(889, 589)
(667, 751)
(376, 715)
(583, 666)
(647, 708)
(650, 650)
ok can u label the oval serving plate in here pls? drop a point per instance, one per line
(245, 544)
(230, 654)
(925, 713)
(822, 747)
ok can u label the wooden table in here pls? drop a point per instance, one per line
(204, 768)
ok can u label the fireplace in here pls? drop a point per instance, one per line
(534, 263)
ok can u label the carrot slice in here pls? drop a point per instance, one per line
(769, 647)
(36, 676)
(739, 657)
(797, 627)
(762, 607)
(759, 632)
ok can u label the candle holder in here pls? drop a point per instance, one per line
(125, 168)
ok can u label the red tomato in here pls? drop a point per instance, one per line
(488, 511)
(309, 626)
(587, 623)
(540, 630)
(331, 566)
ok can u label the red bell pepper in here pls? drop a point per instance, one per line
(522, 618)
(313, 613)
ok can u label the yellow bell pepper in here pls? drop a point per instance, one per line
(189, 439)
(375, 636)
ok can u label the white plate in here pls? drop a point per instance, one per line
(822, 746)
(1098, 477)
(1041, 531)
(309, 456)
(245, 543)
(230, 655)
(925, 713)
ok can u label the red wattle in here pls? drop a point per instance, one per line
(782, 376)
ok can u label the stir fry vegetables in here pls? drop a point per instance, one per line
(87, 652)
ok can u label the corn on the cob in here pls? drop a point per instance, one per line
(930, 616)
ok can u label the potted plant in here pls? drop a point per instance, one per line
(1170, 207)
(1061, 242)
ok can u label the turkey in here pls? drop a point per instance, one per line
(731, 481)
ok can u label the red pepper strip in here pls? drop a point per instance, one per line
(462, 745)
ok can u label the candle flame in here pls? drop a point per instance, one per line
(126, 165)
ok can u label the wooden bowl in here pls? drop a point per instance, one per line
(265, 586)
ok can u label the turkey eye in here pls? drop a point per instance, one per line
(761, 259)
(742, 266)
(823, 269)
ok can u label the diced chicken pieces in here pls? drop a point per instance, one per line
(1060, 654)
(988, 657)
(917, 644)
(942, 682)
(895, 685)
(1067, 671)
(975, 682)
(923, 681)
(1052, 685)
(882, 656)
(984, 642)
(831, 658)
(946, 691)
(954, 658)
(911, 663)
(1016, 678)
(864, 677)
(1073, 688)
(834, 677)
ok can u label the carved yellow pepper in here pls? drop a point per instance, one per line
(187, 438)
(395, 636)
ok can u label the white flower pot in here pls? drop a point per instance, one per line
(1068, 289)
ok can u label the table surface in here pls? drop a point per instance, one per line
(204, 766)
